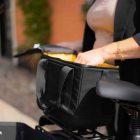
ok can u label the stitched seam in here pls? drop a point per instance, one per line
(81, 77)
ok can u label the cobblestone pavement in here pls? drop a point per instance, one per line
(17, 87)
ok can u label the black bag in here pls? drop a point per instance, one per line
(71, 87)
(21, 131)
(65, 83)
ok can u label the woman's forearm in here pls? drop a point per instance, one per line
(125, 49)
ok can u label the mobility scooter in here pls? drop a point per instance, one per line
(80, 98)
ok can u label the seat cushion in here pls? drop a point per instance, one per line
(119, 90)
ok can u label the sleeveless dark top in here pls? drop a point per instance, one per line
(126, 24)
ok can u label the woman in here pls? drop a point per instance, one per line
(112, 34)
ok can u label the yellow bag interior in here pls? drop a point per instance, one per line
(72, 58)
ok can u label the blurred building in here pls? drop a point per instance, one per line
(67, 22)
(7, 34)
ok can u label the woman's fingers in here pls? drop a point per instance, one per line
(81, 58)
(78, 57)
(93, 58)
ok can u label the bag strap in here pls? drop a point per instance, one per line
(64, 74)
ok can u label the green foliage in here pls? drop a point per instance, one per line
(85, 7)
(37, 29)
(37, 20)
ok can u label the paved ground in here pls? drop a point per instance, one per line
(17, 96)
(17, 88)
(11, 114)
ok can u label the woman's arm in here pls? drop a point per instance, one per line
(125, 49)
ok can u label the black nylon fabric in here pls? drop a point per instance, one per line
(77, 98)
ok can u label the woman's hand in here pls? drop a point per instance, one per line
(92, 57)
